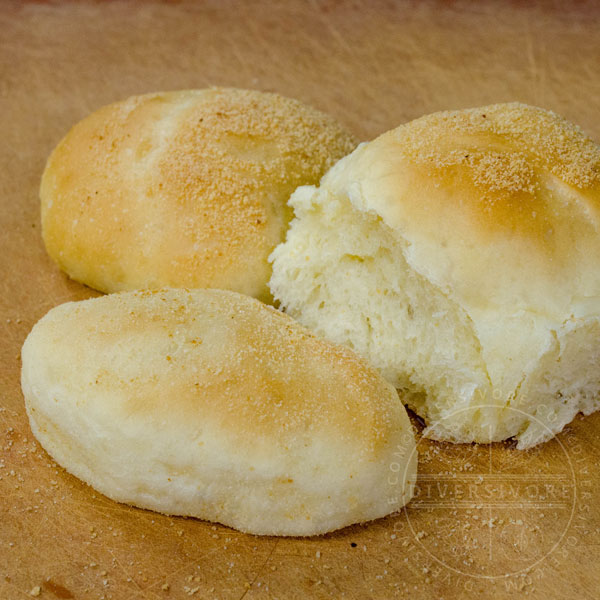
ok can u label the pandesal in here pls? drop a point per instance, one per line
(460, 254)
(182, 189)
(210, 404)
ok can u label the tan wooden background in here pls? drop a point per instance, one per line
(489, 522)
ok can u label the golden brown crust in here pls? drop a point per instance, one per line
(182, 188)
(502, 160)
(503, 144)
(516, 183)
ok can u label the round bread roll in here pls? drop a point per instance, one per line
(460, 253)
(182, 189)
(210, 404)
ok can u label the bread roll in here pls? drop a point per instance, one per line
(210, 404)
(460, 253)
(182, 189)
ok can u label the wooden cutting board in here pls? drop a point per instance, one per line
(489, 521)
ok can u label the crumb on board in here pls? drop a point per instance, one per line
(190, 591)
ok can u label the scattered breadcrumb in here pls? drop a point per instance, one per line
(191, 591)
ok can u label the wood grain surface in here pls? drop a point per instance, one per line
(489, 521)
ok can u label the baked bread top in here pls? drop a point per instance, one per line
(182, 189)
(491, 200)
(210, 404)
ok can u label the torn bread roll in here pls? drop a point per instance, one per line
(183, 189)
(460, 253)
(209, 404)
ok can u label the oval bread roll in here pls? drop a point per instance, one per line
(182, 189)
(210, 404)
(460, 253)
